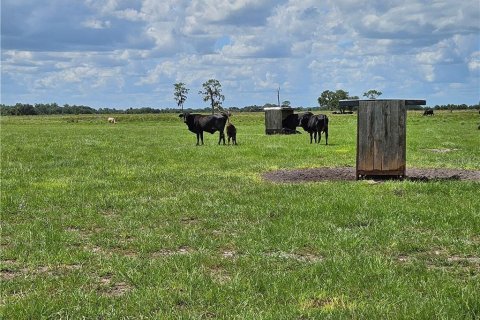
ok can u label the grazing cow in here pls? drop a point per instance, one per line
(428, 112)
(111, 120)
(231, 133)
(198, 123)
(315, 124)
(290, 124)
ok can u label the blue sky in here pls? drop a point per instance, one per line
(129, 53)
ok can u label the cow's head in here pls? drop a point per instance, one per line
(303, 119)
(184, 116)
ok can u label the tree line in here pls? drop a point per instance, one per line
(22, 109)
(212, 93)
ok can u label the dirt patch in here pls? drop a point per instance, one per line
(110, 288)
(182, 250)
(348, 174)
(301, 257)
(220, 275)
(189, 220)
(229, 254)
(13, 270)
(444, 150)
(8, 274)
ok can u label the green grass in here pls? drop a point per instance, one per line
(134, 221)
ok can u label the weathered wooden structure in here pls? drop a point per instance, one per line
(381, 136)
(274, 118)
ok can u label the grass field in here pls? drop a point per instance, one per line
(133, 221)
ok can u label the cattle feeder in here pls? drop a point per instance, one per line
(274, 117)
(381, 136)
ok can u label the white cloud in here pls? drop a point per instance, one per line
(474, 62)
(97, 24)
(137, 47)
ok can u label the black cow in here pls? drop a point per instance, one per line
(231, 133)
(428, 112)
(314, 124)
(198, 123)
(290, 124)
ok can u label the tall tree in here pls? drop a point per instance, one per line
(330, 99)
(372, 94)
(212, 91)
(180, 94)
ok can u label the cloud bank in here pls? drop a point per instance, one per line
(128, 53)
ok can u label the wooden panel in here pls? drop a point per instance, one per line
(402, 137)
(381, 137)
(378, 134)
(274, 119)
(364, 137)
(390, 159)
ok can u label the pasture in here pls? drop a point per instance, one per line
(133, 221)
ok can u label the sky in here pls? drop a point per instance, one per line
(129, 53)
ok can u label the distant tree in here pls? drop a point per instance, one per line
(212, 91)
(372, 94)
(24, 109)
(286, 103)
(270, 105)
(6, 110)
(180, 94)
(49, 108)
(330, 99)
(68, 109)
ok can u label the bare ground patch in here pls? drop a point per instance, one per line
(182, 250)
(348, 174)
(219, 274)
(113, 289)
(12, 270)
(301, 257)
(443, 150)
(439, 259)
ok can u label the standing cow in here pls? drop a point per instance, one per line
(290, 124)
(198, 123)
(428, 112)
(314, 124)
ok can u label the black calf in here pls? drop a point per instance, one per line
(231, 133)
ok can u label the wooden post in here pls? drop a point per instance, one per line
(381, 136)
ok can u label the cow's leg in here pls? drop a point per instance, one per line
(198, 138)
(201, 136)
(326, 137)
(222, 137)
(319, 136)
(311, 137)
